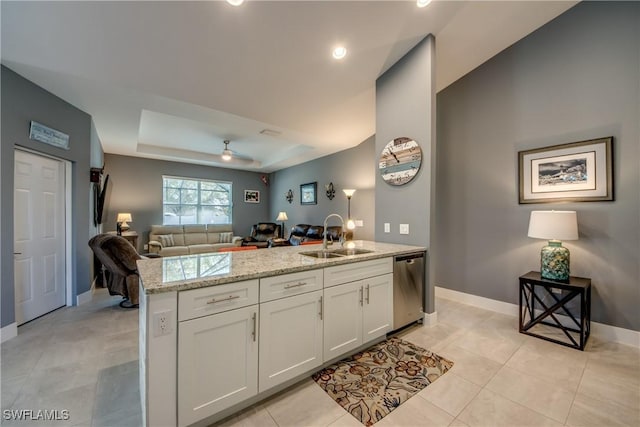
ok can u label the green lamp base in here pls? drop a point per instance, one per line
(554, 261)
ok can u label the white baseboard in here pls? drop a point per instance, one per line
(430, 319)
(476, 301)
(84, 297)
(600, 330)
(8, 332)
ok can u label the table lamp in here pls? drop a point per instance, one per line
(123, 218)
(282, 216)
(554, 226)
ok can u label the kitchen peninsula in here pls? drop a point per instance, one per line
(221, 331)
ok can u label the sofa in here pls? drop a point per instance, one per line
(173, 240)
(261, 234)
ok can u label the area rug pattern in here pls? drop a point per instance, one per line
(371, 384)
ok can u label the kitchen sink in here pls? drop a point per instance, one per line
(351, 251)
(336, 253)
(322, 254)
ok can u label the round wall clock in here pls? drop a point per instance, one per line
(400, 161)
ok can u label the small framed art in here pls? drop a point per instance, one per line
(251, 196)
(308, 193)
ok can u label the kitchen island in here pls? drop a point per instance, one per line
(220, 331)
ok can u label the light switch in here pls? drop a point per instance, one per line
(359, 223)
(404, 228)
(387, 227)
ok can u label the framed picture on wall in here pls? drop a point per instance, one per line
(251, 196)
(308, 193)
(574, 172)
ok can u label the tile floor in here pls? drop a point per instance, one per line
(84, 359)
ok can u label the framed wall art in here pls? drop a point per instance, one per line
(251, 196)
(308, 194)
(575, 172)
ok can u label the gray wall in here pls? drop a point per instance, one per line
(23, 101)
(352, 168)
(576, 78)
(135, 185)
(405, 107)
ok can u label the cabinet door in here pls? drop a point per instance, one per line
(290, 338)
(377, 316)
(342, 319)
(217, 363)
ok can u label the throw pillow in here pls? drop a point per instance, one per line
(226, 237)
(166, 240)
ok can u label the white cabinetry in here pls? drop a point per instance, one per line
(217, 353)
(377, 307)
(290, 338)
(360, 310)
(343, 319)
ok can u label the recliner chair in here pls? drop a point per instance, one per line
(261, 233)
(119, 257)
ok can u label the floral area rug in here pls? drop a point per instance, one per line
(371, 384)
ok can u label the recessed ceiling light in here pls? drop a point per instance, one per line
(235, 2)
(423, 3)
(339, 52)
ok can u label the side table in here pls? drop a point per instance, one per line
(535, 311)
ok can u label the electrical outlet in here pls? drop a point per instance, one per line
(404, 228)
(146, 247)
(162, 323)
(359, 223)
(387, 227)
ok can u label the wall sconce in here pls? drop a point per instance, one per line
(331, 192)
(350, 223)
(289, 196)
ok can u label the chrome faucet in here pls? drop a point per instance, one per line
(324, 238)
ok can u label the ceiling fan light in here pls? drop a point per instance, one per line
(339, 52)
(226, 153)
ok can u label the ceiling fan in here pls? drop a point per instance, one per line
(229, 156)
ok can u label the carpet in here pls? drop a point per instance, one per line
(371, 384)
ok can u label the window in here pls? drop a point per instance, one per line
(195, 201)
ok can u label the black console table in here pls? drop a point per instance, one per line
(534, 310)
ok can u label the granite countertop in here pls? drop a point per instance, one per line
(198, 271)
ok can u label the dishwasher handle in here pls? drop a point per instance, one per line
(411, 258)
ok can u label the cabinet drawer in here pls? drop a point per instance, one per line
(357, 271)
(288, 285)
(216, 299)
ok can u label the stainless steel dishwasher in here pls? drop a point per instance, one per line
(408, 288)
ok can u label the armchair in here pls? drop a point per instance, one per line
(261, 233)
(119, 258)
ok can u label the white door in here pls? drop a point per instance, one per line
(342, 319)
(377, 315)
(290, 338)
(39, 235)
(217, 363)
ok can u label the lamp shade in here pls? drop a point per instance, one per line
(124, 217)
(282, 216)
(349, 192)
(553, 225)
